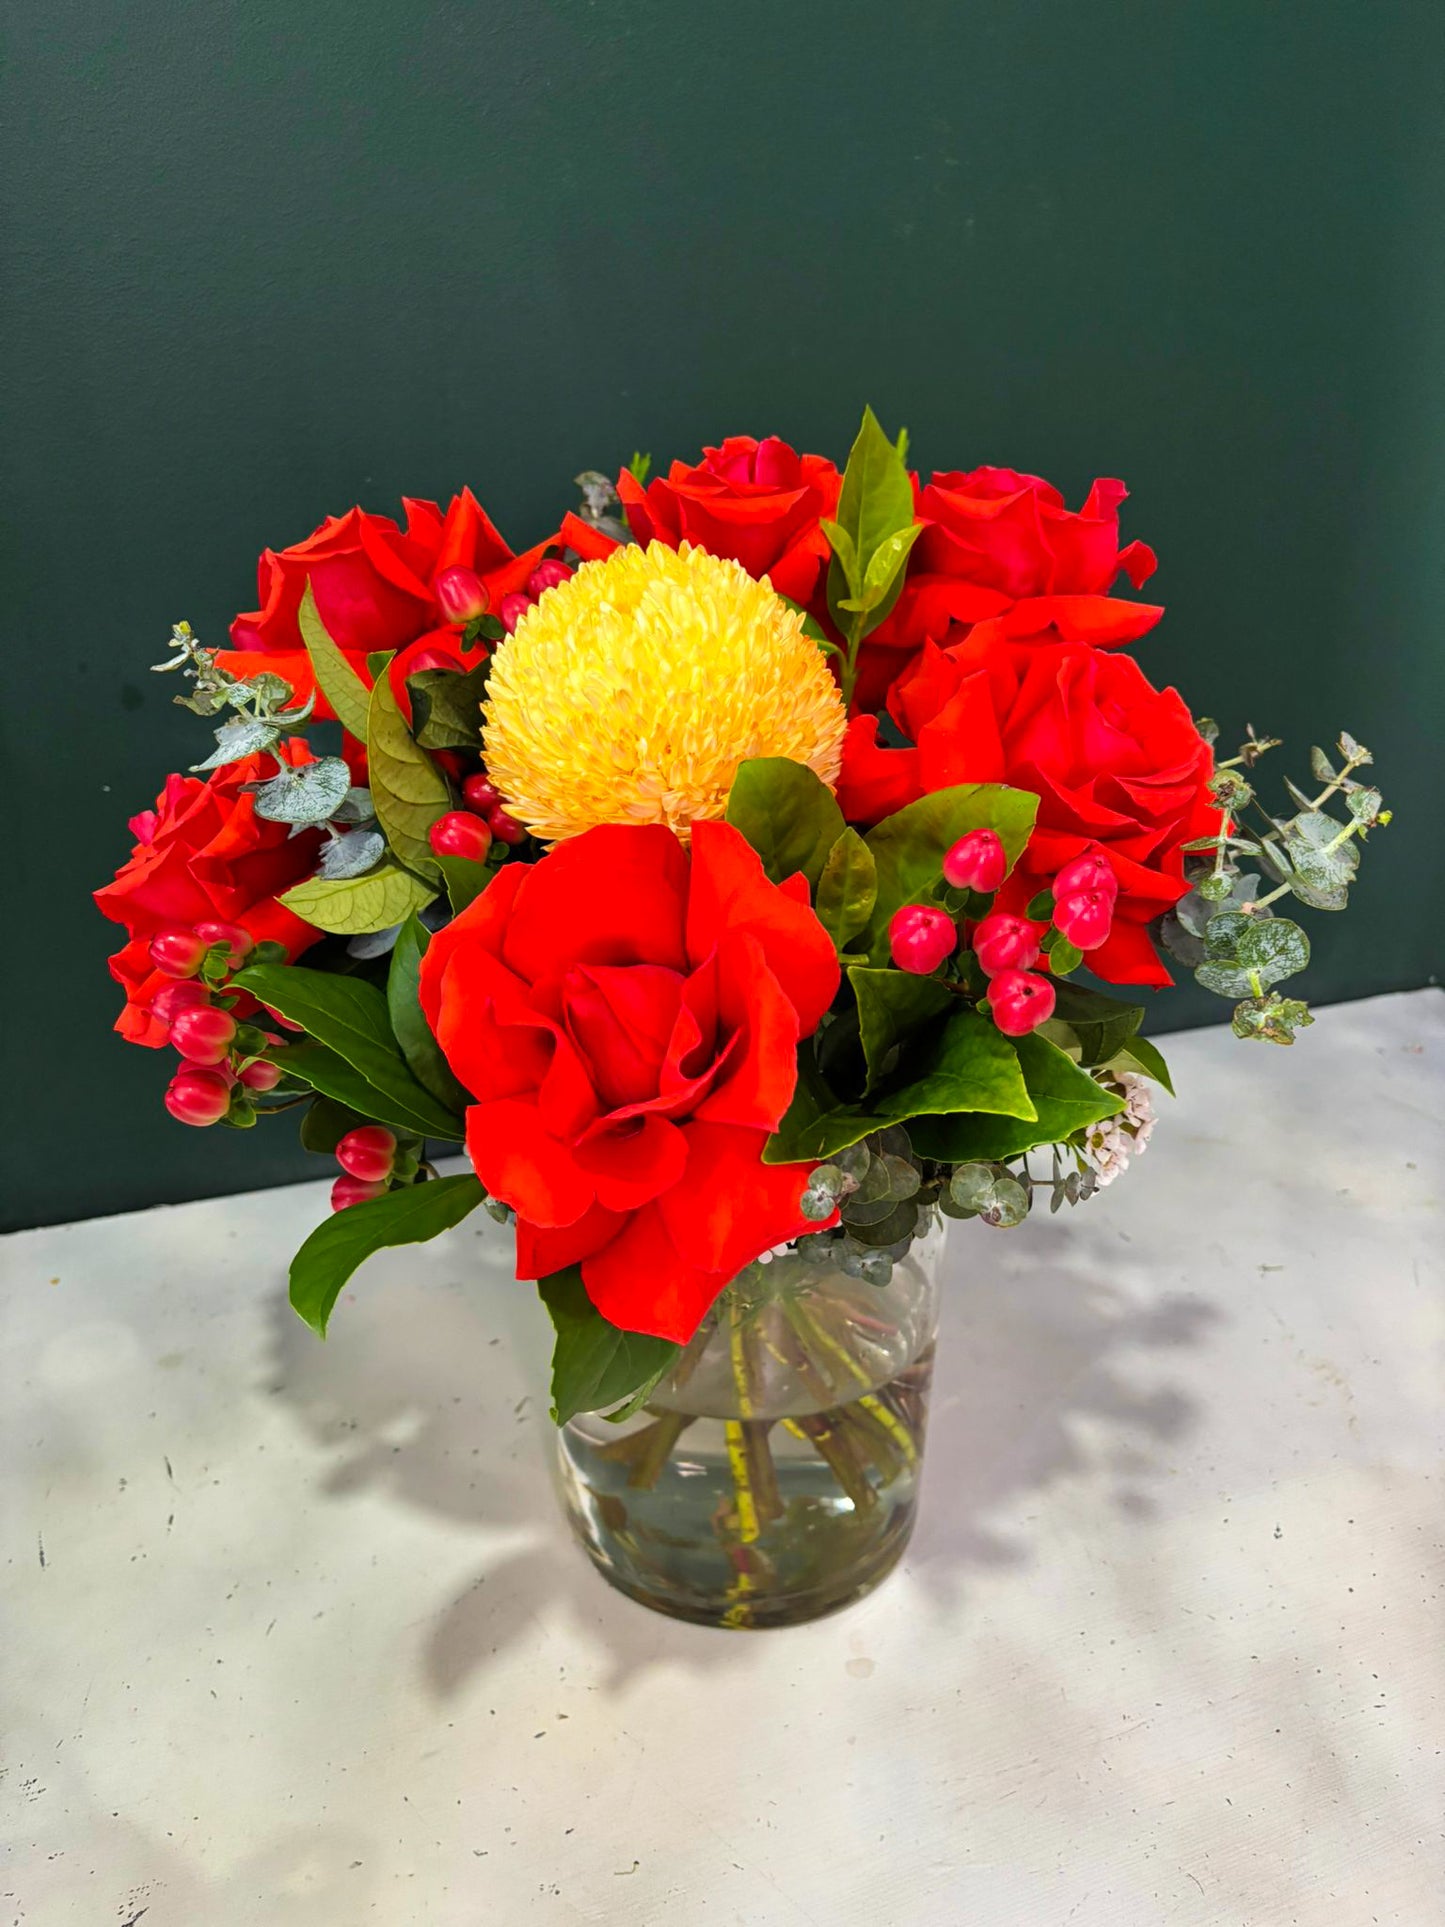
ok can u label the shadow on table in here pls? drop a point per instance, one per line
(430, 1390)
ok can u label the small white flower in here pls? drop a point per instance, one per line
(1110, 1144)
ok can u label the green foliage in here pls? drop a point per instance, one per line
(335, 677)
(816, 1124)
(412, 1032)
(351, 855)
(1065, 1099)
(788, 815)
(354, 906)
(966, 1064)
(1145, 1060)
(892, 1005)
(326, 1123)
(446, 706)
(1271, 1019)
(1246, 955)
(398, 1101)
(308, 794)
(464, 879)
(1101, 1026)
(872, 534)
(408, 1216)
(594, 1364)
(408, 791)
(847, 889)
(908, 848)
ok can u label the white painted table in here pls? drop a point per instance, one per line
(293, 1633)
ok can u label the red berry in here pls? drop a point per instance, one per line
(237, 941)
(976, 862)
(1020, 1001)
(1087, 873)
(512, 609)
(461, 593)
(176, 996)
(1085, 917)
(1002, 942)
(547, 575)
(203, 1033)
(348, 1191)
(177, 952)
(919, 938)
(506, 829)
(261, 1076)
(431, 659)
(479, 793)
(367, 1153)
(459, 833)
(196, 1095)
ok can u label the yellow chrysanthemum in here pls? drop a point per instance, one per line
(631, 692)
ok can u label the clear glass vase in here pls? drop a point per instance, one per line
(773, 1476)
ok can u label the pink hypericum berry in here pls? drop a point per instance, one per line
(506, 829)
(512, 609)
(196, 1095)
(367, 1153)
(461, 593)
(177, 996)
(1084, 917)
(919, 939)
(261, 1076)
(1087, 873)
(347, 1191)
(1020, 1001)
(203, 1033)
(1002, 942)
(976, 862)
(179, 953)
(479, 793)
(459, 833)
(546, 576)
(238, 942)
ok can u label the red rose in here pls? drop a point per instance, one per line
(1117, 765)
(759, 503)
(1000, 544)
(204, 856)
(627, 1017)
(375, 586)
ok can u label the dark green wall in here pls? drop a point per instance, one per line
(267, 260)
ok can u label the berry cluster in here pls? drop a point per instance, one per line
(368, 1160)
(218, 1053)
(921, 939)
(469, 832)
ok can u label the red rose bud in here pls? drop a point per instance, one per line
(261, 1076)
(919, 939)
(196, 1095)
(506, 829)
(512, 609)
(459, 833)
(367, 1153)
(1085, 917)
(976, 862)
(1020, 1001)
(1087, 873)
(461, 594)
(173, 997)
(431, 659)
(479, 793)
(203, 1033)
(349, 1191)
(1002, 942)
(238, 942)
(179, 953)
(547, 575)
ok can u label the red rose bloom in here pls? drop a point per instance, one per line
(204, 856)
(1001, 544)
(1118, 767)
(373, 584)
(627, 1018)
(759, 503)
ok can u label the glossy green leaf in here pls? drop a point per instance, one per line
(1064, 1098)
(847, 889)
(1102, 1025)
(446, 706)
(410, 1028)
(408, 791)
(409, 1216)
(594, 1364)
(400, 1102)
(1145, 1059)
(789, 816)
(356, 906)
(464, 879)
(966, 1064)
(815, 1124)
(326, 1123)
(909, 847)
(892, 1006)
(337, 680)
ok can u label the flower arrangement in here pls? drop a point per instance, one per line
(717, 871)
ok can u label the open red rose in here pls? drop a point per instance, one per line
(1117, 765)
(759, 503)
(374, 585)
(999, 544)
(627, 1018)
(204, 856)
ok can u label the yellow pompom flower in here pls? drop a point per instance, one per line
(631, 692)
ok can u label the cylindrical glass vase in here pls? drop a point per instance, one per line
(773, 1476)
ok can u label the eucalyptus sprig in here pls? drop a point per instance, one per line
(262, 703)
